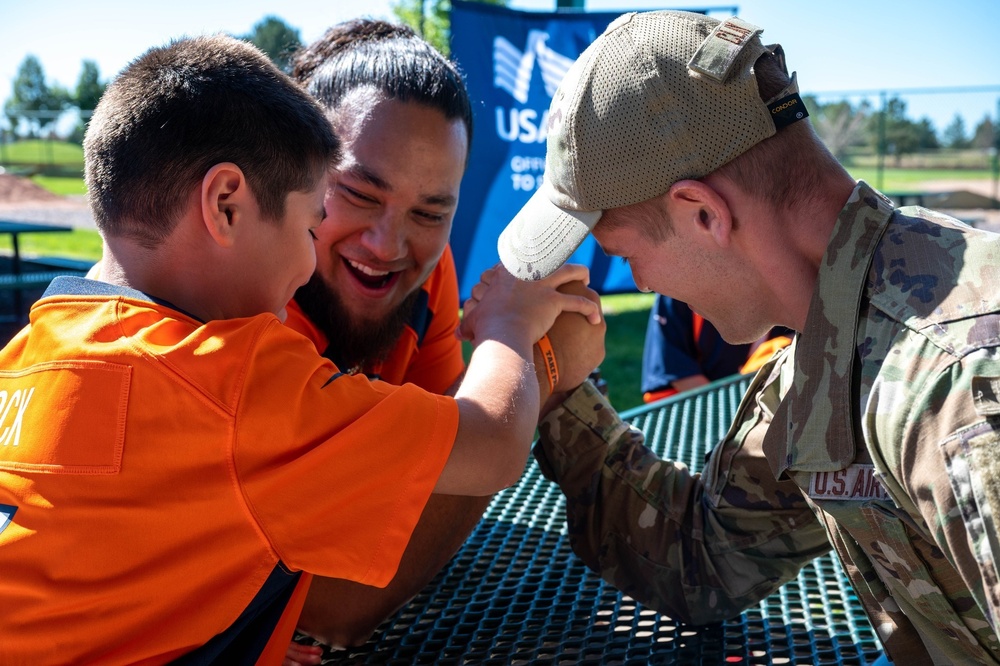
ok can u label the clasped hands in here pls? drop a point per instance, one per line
(518, 312)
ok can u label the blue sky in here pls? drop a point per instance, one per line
(844, 45)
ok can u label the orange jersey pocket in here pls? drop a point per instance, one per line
(64, 417)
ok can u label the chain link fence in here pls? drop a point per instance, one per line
(954, 129)
(942, 129)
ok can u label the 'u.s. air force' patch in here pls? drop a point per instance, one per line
(857, 482)
(6, 515)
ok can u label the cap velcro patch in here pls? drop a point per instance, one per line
(716, 55)
(787, 110)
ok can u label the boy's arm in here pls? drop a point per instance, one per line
(344, 613)
(498, 401)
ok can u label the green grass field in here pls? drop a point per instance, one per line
(908, 180)
(37, 151)
(77, 244)
(63, 185)
(626, 315)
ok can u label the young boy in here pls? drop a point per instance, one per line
(171, 455)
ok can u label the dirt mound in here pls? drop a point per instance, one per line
(982, 186)
(16, 189)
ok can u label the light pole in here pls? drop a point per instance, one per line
(996, 156)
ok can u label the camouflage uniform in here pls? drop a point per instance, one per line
(888, 449)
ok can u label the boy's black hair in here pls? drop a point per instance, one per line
(178, 110)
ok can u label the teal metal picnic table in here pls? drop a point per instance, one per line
(16, 279)
(516, 594)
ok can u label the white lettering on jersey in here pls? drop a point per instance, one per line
(11, 434)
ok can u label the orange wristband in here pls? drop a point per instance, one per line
(549, 359)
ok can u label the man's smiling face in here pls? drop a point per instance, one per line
(390, 205)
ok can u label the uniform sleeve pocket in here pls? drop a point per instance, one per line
(973, 460)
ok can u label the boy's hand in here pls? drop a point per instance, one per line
(504, 308)
(578, 347)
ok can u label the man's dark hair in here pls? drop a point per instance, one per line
(385, 56)
(178, 110)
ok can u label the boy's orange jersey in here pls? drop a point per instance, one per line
(427, 354)
(161, 479)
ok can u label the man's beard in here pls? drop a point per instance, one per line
(353, 344)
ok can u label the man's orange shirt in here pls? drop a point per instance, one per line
(161, 477)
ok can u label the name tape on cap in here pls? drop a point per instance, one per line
(716, 55)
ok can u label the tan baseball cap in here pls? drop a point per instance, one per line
(658, 97)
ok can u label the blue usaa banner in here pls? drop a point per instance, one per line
(513, 62)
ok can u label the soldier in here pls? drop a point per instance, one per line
(679, 141)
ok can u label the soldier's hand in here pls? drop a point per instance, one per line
(578, 346)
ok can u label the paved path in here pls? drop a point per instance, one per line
(72, 212)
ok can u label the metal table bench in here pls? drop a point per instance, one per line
(516, 594)
(17, 280)
(34, 279)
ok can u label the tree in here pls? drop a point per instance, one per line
(433, 24)
(12, 116)
(927, 138)
(984, 136)
(32, 98)
(895, 134)
(89, 87)
(839, 124)
(275, 38)
(954, 133)
(31, 93)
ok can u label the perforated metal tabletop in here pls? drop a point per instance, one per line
(516, 594)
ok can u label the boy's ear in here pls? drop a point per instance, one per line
(225, 201)
(698, 204)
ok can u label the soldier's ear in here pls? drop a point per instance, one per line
(702, 209)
